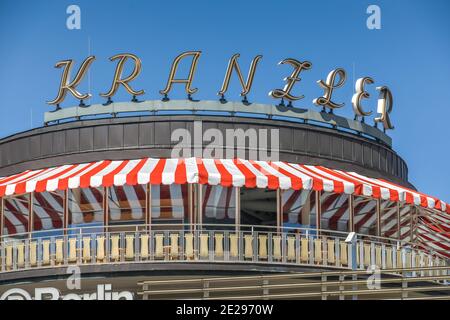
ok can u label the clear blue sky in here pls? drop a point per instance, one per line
(410, 54)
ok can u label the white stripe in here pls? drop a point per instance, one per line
(284, 181)
(30, 185)
(401, 191)
(328, 185)
(214, 176)
(349, 187)
(307, 181)
(237, 176)
(74, 182)
(261, 179)
(191, 170)
(146, 170)
(29, 175)
(11, 187)
(168, 173)
(97, 179)
(52, 184)
(120, 178)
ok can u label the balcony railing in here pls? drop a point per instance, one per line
(187, 243)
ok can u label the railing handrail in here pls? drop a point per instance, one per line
(209, 243)
(182, 226)
(295, 275)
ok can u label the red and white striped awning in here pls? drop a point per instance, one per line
(225, 172)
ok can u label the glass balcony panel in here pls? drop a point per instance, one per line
(85, 207)
(170, 204)
(389, 222)
(16, 220)
(126, 205)
(48, 213)
(218, 206)
(298, 209)
(258, 208)
(335, 211)
(365, 219)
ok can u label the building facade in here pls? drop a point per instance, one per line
(105, 193)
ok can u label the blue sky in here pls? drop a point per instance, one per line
(409, 54)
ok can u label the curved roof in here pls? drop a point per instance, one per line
(226, 172)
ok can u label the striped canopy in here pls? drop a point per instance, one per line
(225, 172)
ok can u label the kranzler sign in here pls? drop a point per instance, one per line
(335, 80)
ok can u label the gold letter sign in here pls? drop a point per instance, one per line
(328, 86)
(360, 94)
(71, 86)
(285, 92)
(233, 64)
(385, 104)
(188, 81)
(117, 80)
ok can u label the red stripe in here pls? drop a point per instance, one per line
(357, 185)
(42, 184)
(156, 174)
(250, 177)
(423, 197)
(63, 183)
(202, 172)
(21, 186)
(14, 176)
(226, 179)
(317, 183)
(273, 182)
(108, 179)
(85, 179)
(393, 194)
(296, 182)
(180, 172)
(133, 174)
(338, 186)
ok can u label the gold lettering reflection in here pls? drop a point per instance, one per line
(117, 80)
(360, 94)
(66, 85)
(384, 108)
(329, 85)
(291, 80)
(188, 81)
(233, 64)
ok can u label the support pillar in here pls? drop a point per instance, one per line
(105, 208)
(318, 209)
(351, 210)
